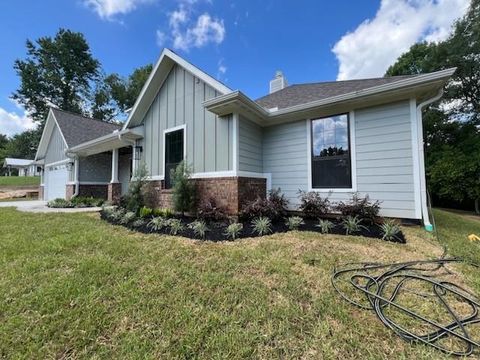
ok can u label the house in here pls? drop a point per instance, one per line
(25, 167)
(336, 138)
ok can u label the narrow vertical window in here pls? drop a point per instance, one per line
(331, 164)
(173, 154)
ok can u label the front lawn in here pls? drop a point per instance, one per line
(73, 286)
(19, 180)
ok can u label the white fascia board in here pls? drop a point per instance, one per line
(46, 134)
(167, 53)
(138, 133)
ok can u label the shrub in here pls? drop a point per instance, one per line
(175, 226)
(294, 222)
(390, 230)
(128, 217)
(183, 189)
(325, 226)
(352, 225)
(138, 223)
(158, 223)
(59, 203)
(145, 212)
(210, 211)
(312, 204)
(84, 201)
(233, 230)
(117, 215)
(134, 199)
(199, 228)
(262, 226)
(273, 207)
(361, 207)
(163, 212)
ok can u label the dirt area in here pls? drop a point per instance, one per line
(16, 192)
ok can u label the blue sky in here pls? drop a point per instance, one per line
(240, 42)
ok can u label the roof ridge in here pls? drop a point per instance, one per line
(351, 80)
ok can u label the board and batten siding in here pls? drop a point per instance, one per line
(209, 138)
(384, 158)
(250, 157)
(56, 147)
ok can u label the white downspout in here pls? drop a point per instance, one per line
(421, 156)
(76, 177)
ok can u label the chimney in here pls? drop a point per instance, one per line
(279, 82)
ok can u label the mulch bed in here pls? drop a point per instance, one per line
(217, 230)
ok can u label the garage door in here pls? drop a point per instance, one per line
(56, 181)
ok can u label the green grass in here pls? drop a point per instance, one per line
(73, 286)
(19, 180)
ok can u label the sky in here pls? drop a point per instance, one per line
(240, 42)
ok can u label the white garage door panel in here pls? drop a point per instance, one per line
(57, 177)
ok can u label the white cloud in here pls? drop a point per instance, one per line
(11, 123)
(186, 33)
(107, 9)
(376, 43)
(221, 69)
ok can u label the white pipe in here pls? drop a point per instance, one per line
(421, 153)
(77, 176)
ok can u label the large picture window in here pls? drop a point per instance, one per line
(331, 165)
(173, 154)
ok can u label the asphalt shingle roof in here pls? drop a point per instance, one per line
(304, 93)
(78, 129)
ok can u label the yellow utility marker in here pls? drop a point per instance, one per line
(473, 237)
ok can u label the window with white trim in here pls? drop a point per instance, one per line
(331, 161)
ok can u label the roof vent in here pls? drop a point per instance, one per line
(279, 82)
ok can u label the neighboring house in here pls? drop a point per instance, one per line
(24, 167)
(336, 138)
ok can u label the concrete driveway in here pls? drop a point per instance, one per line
(39, 206)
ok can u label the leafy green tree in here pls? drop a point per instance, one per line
(23, 145)
(183, 188)
(134, 199)
(58, 71)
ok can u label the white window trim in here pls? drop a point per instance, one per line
(165, 132)
(353, 157)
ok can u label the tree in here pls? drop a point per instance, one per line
(451, 125)
(23, 145)
(57, 71)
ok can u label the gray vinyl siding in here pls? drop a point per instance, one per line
(250, 146)
(209, 138)
(384, 160)
(285, 157)
(96, 168)
(56, 147)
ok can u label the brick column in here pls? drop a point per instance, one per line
(114, 192)
(40, 192)
(70, 190)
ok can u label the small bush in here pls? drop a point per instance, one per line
(325, 226)
(176, 226)
(262, 226)
(163, 212)
(60, 203)
(199, 228)
(208, 210)
(352, 225)
(117, 215)
(86, 201)
(183, 189)
(233, 230)
(294, 222)
(128, 218)
(390, 230)
(134, 199)
(361, 207)
(138, 223)
(158, 223)
(273, 207)
(145, 212)
(312, 204)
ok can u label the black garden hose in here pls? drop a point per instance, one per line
(386, 288)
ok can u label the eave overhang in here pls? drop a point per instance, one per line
(418, 87)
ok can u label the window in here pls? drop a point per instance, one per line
(173, 154)
(331, 165)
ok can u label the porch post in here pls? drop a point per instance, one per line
(114, 166)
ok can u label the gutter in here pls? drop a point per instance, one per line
(421, 153)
